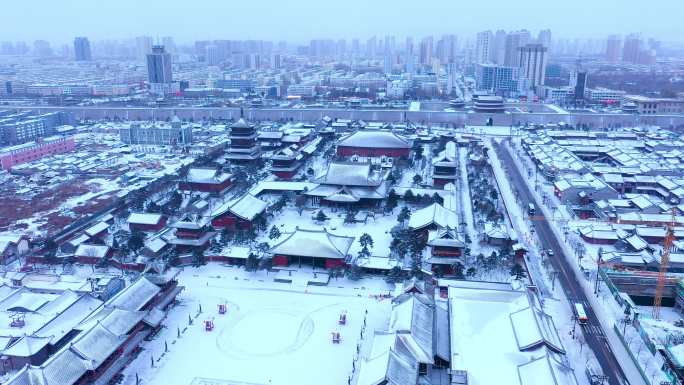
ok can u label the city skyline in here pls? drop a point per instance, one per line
(270, 20)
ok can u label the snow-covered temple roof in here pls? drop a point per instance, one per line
(314, 243)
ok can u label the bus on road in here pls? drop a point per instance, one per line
(580, 313)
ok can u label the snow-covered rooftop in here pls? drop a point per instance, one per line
(314, 243)
(206, 175)
(246, 207)
(91, 251)
(486, 333)
(135, 296)
(374, 139)
(144, 218)
(350, 174)
(434, 214)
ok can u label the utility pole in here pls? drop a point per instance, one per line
(598, 272)
(574, 323)
(554, 274)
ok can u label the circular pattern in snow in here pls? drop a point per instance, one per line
(265, 333)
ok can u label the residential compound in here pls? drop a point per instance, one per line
(30, 151)
(588, 166)
(18, 127)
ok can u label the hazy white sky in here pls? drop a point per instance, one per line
(301, 20)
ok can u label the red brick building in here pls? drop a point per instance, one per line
(28, 152)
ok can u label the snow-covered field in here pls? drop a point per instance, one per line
(273, 333)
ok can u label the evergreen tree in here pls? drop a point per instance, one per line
(320, 217)
(252, 262)
(350, 217)
(172, 257)
(274, 233)
(136, 241)
(395, 275)
(392, 200)
(458, 270)
(263, 247)
(437, 198)
(300, 203)
(404, 214)
(265, 264)
(417, 179)
(518, 271)
(419, 152)
(198, 258)
(215, 246)
(365, 240)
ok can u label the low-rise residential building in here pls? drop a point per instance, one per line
(653, 106)
(32, 151)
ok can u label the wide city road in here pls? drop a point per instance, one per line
(592, 330)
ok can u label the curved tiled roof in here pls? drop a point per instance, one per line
(374, 139)
(314, 243)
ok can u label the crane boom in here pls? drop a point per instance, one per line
(664, 264)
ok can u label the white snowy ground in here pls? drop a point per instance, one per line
(273, 333)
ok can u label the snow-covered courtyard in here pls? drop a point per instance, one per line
(272, 333)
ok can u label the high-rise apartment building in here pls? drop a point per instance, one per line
(446, 49)
(42, 48)
(483, 47)
(371, 47)
(143, 46)
(514, 41)
(82, 49)
(212, 55)
(276, 61)
(408, 45)
(496, 79)
(169, 44)
(632, 48)
(355, 47)
(532, 62)
(544, 38)
(426, 50)
(613, 47)
(498, 48)
(159, 65)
